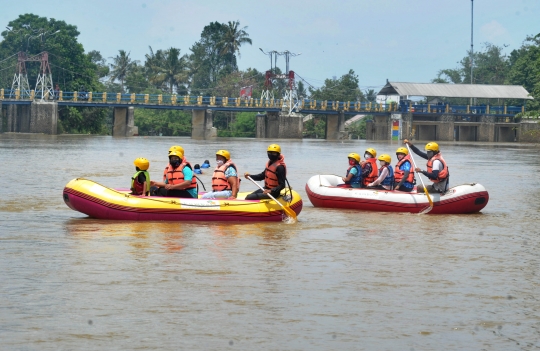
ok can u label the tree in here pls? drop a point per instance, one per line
(168, 68)
(231, 40)
(102, 69)
(121, 67)
(342, 89)
(70, 66)
(525, 69)
(371, 95)
(491, 66)
(301, 91)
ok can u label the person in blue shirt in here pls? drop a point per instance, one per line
(353, 179)
(404, 172)
(197, 169)
(178, 176)
(225, 181)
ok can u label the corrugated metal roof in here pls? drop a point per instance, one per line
(456, 90)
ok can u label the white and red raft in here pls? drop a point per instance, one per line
(323, 191)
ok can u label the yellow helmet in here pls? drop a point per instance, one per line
(224, 153)
(274, 148)
(402, 150)
(178, 153)
(142, 163)
(176, 147)
(386, 158)
(372, 152)
(355, 156)
(432, 147)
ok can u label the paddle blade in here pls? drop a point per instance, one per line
(291, 215)
(430, 207)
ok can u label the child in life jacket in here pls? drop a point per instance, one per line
(140, 182)
(353, 179)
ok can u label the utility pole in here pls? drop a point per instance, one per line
(472, 48)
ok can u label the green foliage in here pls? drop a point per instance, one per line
(357, 130)
(166, 122)
(208, 63)
(71, 67)
(121, 67)
(238, 125)
(525, 69)
(315, 128)
(83, 120)
(342, 89)
(169, 70)
(491, 66)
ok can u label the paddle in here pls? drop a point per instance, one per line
(430, 207)
(288, 211)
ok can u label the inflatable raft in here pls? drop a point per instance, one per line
(98, 201)
(322, 191)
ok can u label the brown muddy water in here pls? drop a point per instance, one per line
(336, 280)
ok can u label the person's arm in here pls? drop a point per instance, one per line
(158, 184)
(415, 149)
(232, 179)
(352, 173)
(379, 180)
(234, 185)
(418, 151)
(366, 170)
(406, 168)
(437, 166)
(188, 177)
(257, 177)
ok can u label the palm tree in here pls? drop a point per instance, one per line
(121, 66)
(371, 95)
(232, 39)
(167, 67)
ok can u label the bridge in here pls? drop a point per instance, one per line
(31, 111)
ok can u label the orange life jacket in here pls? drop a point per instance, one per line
(270, 176)
(443, 174)
(219, 181)
(398, 173)
(167, 168)
(176, 176)
(371, 177)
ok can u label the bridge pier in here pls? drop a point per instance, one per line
(1, 118)
(124, 122)
(202, 125)
(335, 126)
(38, 117)
(276, 125)
(486, 130)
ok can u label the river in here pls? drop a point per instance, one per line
(336, 280)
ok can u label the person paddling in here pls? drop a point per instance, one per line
(274, 175)
(404, 173)
(437, 169)
(353, 178)
(225, 182)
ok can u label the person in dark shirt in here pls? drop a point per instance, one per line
(274, 175)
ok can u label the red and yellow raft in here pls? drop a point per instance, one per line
(98, 201)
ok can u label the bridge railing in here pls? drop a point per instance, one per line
(304, 105)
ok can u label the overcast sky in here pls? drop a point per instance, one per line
(406, 41)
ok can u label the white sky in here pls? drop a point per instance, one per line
(406, 41)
